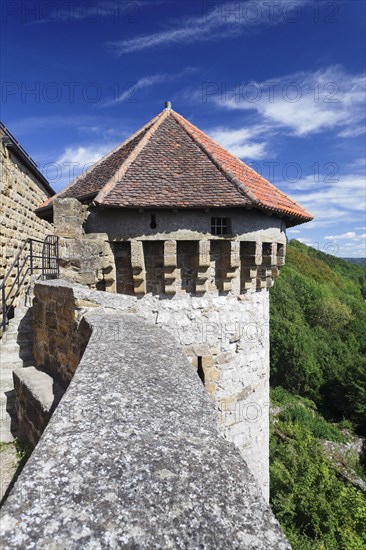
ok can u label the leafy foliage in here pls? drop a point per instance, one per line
(318, 333)
(316, 509)
(318, 377)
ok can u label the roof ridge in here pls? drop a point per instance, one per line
(229, 175)
(111, 183)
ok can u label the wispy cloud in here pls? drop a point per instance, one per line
(83, 156)
(304, 103)
(131, 93)
(242, 142)
(217, 21)
(343, 201)
(74, 160)
(348, 235)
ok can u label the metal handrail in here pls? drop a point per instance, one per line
(19, 263)
(15, 261)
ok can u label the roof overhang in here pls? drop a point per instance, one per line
(11, 143)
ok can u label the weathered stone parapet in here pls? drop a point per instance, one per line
(132, 456)
(59, 339)
(88, 260)
(225, 338)
(37, 395)
(69, 218)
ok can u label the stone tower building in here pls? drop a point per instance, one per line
(195, 238)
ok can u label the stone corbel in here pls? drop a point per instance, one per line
(138, 267)
(170, 267)
(204, 264)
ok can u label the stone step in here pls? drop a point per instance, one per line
(20, 311)
(37, 395)
(14, 347)
(9, 356)
(5, 431)
(5, 372)
(6, 384)
(10, 362)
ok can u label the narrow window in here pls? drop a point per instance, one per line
(200, 370)
(220, 226)
(153, 223)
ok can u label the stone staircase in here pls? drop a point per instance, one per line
(15, 351)
(28, 394)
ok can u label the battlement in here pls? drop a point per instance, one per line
(181, 253)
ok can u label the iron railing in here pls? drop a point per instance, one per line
(25, 265)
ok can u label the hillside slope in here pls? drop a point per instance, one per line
(318, 333)
(318, 379)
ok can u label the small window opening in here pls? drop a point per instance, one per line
(200, 370)
(220, 226)
(153, 223)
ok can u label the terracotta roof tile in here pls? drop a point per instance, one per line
(172, 164)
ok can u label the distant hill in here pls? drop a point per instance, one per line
(358, 261)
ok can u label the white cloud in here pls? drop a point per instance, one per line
(343, 200)
(304, 103)
(73, 161)
(83, 156)
(241, 142)
(223, 21)
(349, 235)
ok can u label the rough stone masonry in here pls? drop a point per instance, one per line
(22, 189)
(132, 456)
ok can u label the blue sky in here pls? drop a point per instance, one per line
(279, 83)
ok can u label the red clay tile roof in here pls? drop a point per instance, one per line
(170, 163)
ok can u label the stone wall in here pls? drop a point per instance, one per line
(84, 258)
(189, 224)
(20, 194)
(224, 337)
(59, 336)
(132, 456)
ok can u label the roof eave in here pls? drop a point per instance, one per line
(10, 142)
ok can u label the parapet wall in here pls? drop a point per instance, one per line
(225, 339)
(132, 456)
